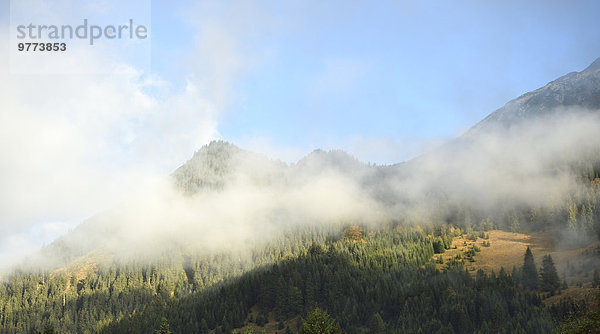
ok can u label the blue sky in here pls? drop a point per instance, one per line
(356, 74)
(331, 74)
(326, 72)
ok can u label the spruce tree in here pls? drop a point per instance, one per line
(549, 275)
(529, 274)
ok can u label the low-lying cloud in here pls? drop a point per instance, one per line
(75, 145)
(527, 165)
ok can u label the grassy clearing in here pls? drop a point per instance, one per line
(507, 249)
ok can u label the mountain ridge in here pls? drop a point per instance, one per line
(218, 163)
(575, 89)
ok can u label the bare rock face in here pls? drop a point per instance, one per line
(579, 90)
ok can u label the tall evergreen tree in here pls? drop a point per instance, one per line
(549, 275)
(529, 274)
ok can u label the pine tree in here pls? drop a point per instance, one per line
(596, 280)
(529, 274)
(549, 275)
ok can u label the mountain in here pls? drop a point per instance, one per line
(218, 164)
(236, 240)
(524, 152)
(433, 177)
(430, 177)
(213, 177)
(337, 160)
(580, 90)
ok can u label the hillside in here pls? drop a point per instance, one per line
(382, 276)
